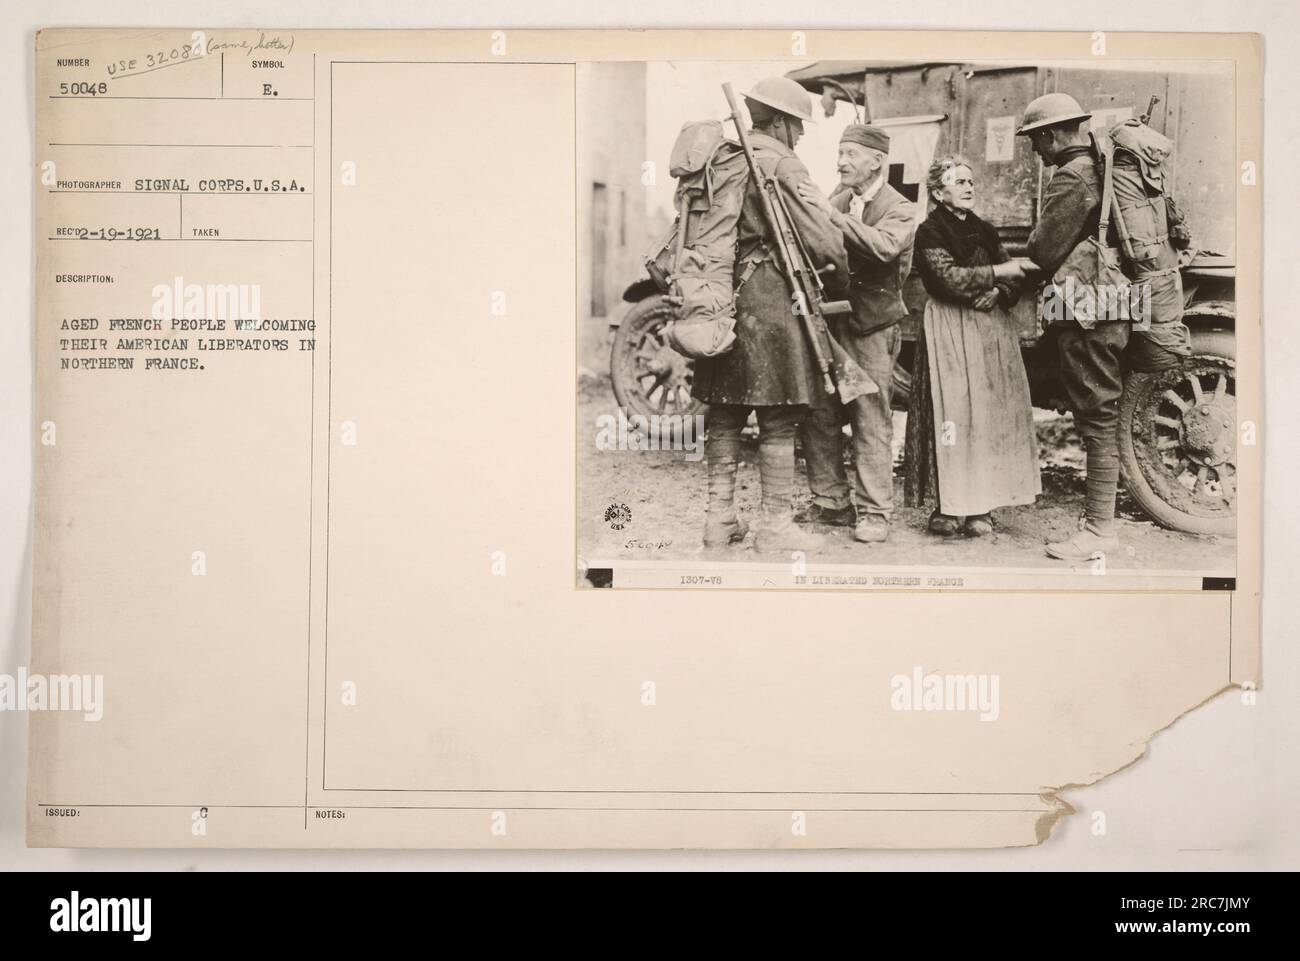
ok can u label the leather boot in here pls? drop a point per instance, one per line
(722, 526)
(1083, 546)
(835, 517)
(778, 531)
(1098, 535)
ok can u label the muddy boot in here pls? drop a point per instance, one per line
(1083, 546)
(872, 529)
(722, 526)
(777, 530)
(1098, 535)
(835, 517)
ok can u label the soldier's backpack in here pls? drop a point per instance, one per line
(1141, 191)
(1151, 229)
(711, 177)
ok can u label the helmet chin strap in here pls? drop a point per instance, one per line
(786, 138)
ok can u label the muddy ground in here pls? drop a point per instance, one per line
(665, 496)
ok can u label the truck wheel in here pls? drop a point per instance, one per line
(649, 376)
(1178, 439)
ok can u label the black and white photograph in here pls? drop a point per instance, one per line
(926, 316)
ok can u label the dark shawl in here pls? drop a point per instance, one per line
(955, 257)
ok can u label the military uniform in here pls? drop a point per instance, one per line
(1071, 213)
(1094, 351)
(770, 369)
(1091, 356)
(771, 364)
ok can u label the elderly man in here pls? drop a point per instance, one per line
(878, 225)
(770, 370)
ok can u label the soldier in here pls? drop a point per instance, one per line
(878, 225)
(1091, 349)
(770, 370)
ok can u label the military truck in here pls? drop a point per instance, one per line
(1178, 432)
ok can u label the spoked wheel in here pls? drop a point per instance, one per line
(1178, 434)
(649, 376)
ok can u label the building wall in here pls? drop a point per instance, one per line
(1195, 109)
(612, 233)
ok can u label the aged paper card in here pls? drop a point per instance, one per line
(384, 498)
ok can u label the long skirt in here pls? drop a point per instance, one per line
(970, 427)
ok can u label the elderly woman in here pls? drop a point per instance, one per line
(970, 427)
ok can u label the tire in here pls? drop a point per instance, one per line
(1177, 443)
(649, 377)
(639, 347)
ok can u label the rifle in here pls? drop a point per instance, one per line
(807, 293)
(1145, 119)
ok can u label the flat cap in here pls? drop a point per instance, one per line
(877, 138)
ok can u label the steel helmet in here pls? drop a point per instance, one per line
(1051, 109)
(783, 94)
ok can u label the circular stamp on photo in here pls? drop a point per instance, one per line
(618, 516)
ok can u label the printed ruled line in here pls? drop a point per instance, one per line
(461, 63)
(416, 790)
(86, 99)
(196, 240)
(638, 810)
(634, 810)
(311, 474)
(267, 146)
(329, 450)
(210, 807)
(193, 193)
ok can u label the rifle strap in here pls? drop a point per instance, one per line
(1107, 193)
(752, 263)
(1126, 241)
(683, 226)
